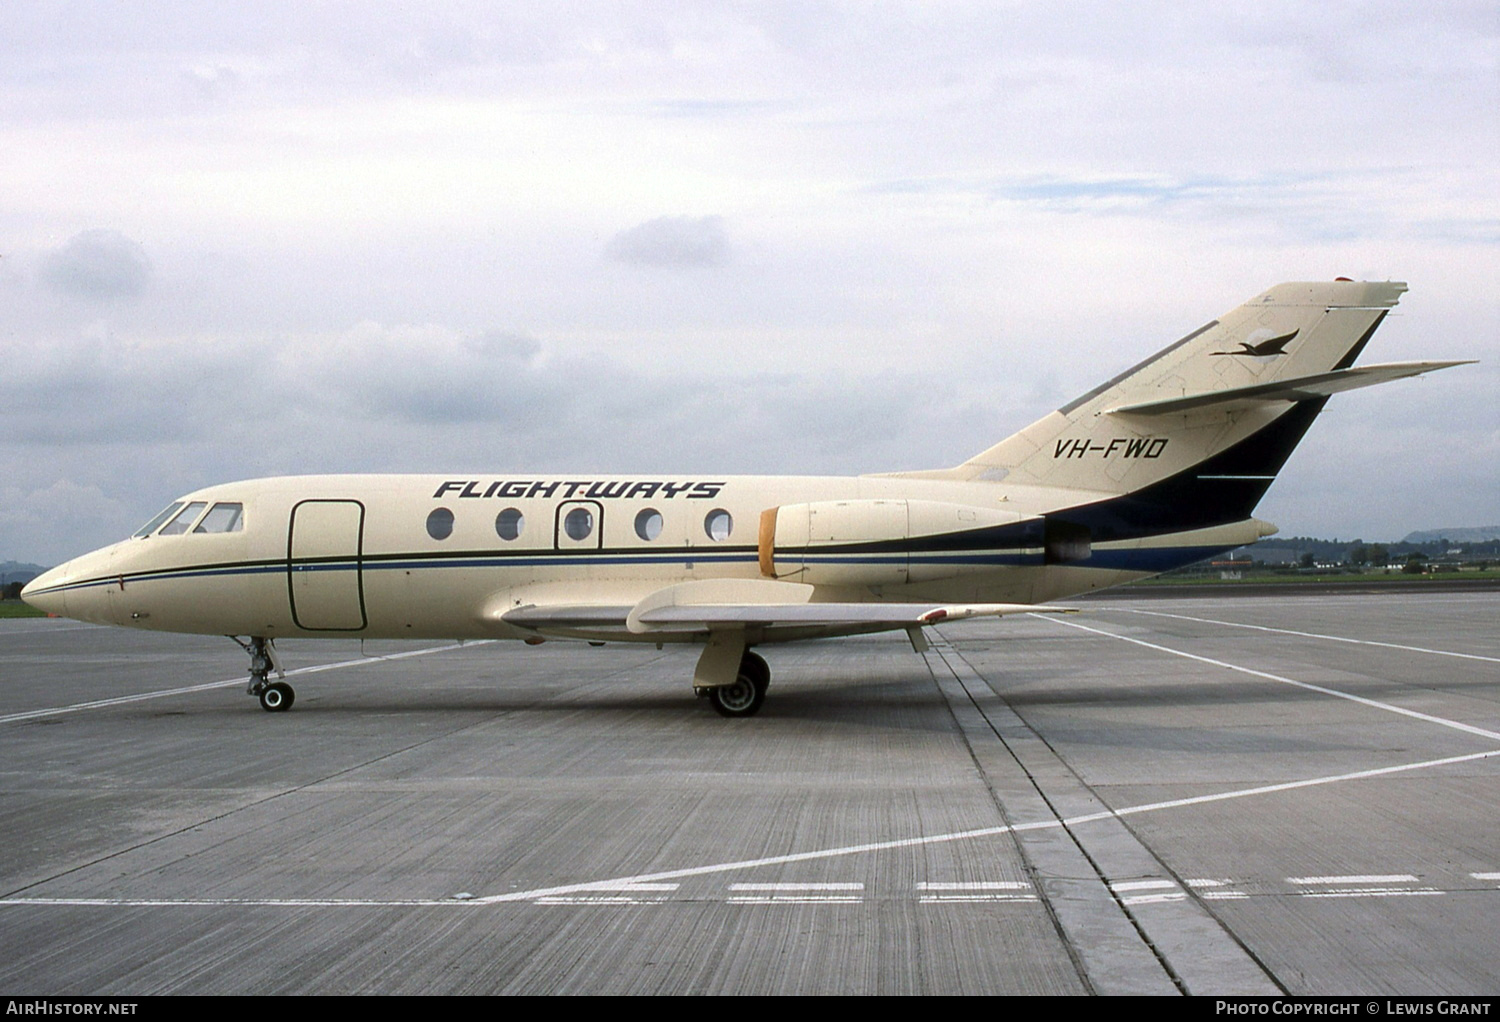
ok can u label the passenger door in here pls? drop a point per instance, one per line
(324, 564)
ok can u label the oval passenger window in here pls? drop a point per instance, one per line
(440, 523)
(718, 525)
(509, 523)
(579, 523)
(648, 524)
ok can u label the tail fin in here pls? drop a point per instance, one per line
(1223, 407)
(1192, 437)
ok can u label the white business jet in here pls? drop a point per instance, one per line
(1159, 467)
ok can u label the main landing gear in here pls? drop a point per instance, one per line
(743, 696)
(275, 696)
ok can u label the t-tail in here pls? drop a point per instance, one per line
(1193, 436)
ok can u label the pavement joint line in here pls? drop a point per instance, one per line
(615, 884)
(54, 711)
(1374, 703)
(1193, 947)
(1309, 635)
(1088, 917)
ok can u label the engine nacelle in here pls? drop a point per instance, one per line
(893, 542)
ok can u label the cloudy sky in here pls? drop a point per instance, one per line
(268, 238)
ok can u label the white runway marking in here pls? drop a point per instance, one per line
(53, 711)
(1157, 891)
(1154, 899)
(617, 894)
(797, 894)
(616, 884)
(975, 892)
(1376, 704)
(231, 902)
(1386, 878)
(1363, 886)
(1372, 892)
(1310, 635)
(1216, 890)
(797, 887)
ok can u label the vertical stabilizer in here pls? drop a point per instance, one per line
(1289, 332)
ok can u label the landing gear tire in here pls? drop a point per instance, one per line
(740, 698)
(756, 667)
(277, 697)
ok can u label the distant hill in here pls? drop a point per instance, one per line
(15, 571)
(1475, 534)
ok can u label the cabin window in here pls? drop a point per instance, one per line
(510, 523)
(718, 524)
(440, 523)
(648, 524)
(223, 518)
(150, 527)
(184, 519)
(579, 523)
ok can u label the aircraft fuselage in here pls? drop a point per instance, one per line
(417, 556)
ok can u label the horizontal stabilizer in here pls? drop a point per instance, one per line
(1301, 388)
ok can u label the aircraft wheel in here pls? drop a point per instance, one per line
(756, 667)
(277, 697)
(740, 698)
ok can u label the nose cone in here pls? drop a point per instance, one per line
(78, 589)
(47, 591)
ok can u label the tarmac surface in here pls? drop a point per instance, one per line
(1290, 793)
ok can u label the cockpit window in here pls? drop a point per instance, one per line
(184, 519)
(223, 518)
(150, 527)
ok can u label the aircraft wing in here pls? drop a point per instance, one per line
(1301, 388)
(714, 604)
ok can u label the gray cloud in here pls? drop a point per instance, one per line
(137, 426)
(683, 241)
(101, 265)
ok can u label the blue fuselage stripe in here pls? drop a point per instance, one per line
(1153, 559)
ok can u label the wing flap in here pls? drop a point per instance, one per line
(713, 604)
(703, 618)
(1302, 388)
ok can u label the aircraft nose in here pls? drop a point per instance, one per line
(46, 592)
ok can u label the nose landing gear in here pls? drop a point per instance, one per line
(276, 696)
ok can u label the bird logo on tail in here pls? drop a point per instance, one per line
(1270, 346)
